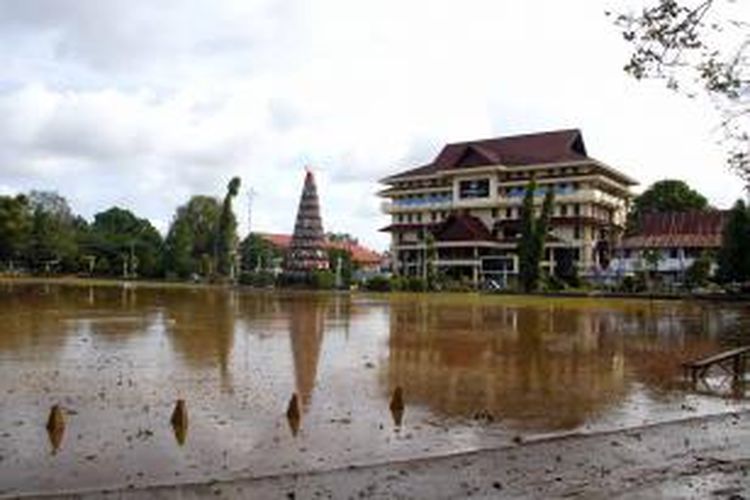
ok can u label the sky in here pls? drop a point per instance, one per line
(144, 103)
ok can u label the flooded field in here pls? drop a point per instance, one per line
(476, 372)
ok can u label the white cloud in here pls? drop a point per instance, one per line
(144, 103)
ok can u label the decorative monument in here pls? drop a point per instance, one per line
(306, 253)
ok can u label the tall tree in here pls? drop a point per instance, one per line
(734, 258)
(191, 243)
(227, 238)
(698, 47)
(15, 228)
(667, 195)
(533, 237)
(53, 243)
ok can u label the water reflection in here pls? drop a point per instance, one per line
(306, 319)
(544, 366)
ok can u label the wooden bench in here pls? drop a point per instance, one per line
(698, 368)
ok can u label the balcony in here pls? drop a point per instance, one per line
(422, 203)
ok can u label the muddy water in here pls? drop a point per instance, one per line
(475, 371)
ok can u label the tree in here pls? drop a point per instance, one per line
(533, 237)
(699, 272)
(118, 235)
(667, 195)
(734, 258)
(191, 242)
(698, 47)
(651, 258)
(257, 254)
(15, 227)
(53, 242)
(227, 238)
(336, 255)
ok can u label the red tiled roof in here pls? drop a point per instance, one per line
(462, 227)
(531, 149)
(693, 229)
(360, 254)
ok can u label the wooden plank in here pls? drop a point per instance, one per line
(717, 358)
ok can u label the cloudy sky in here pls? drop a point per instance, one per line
(142, 103)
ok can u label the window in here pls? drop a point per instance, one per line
(475, 188)
(577, 209)
(577, 232)
(672, 253)
(494, 213)
(508, 213)
(563, 210)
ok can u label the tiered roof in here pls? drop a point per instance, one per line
(306, 249)
(694, 229)
(544, 148)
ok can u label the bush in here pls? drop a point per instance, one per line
(323, 280)
(378, 284)
(414, 284)
(260, 279)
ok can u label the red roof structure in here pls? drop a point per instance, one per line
(561, 146)
(694, 229)
(462, 227)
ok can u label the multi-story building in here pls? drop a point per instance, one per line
(469, 198)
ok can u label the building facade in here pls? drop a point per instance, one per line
(462, 212)
(667, 244)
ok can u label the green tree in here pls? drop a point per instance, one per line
(667, 195)
(15, 228)
(734, 257)
(118, 235)
(191, 242)
(698, 47)
(257, 254)
(699, 272)
(651, 258)
(533, 237)
(347, 266)
(227, 238)
(53, 243)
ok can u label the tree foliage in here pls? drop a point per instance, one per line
(257, 254)
(533, 237)
(227, 239)
(698, 47)
(125, 244)
(15, 228)
(53, 243)
(734, 257)
(191, 245)
(667, 195)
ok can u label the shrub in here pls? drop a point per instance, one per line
(260, 279)
(378, 284)
(323, 280)
(414, 284)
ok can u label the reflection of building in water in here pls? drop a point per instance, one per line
(541, 368)
(306, 318)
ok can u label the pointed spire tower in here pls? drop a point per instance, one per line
(306, 252)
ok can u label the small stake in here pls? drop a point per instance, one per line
(293, 414)
(397, 406)
(179, 421)
(55, 427)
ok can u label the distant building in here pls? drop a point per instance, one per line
(678, 238)
(470, 198)
(306, 253)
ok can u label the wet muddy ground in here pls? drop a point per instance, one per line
(476, 373)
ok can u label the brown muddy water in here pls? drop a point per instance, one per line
(476, 372)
